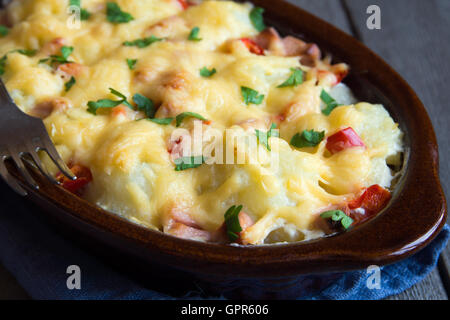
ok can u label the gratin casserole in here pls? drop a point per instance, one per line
(115, 81)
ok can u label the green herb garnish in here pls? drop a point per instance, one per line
(75, 3)
(193, 36)
(184, 163)
(294, 80)
(206, 73)
(66, 52)
(142, 43)
(132, 63)
(100, 104)
(251, 96)
(3, 64)
(115, 15)
(61, 59)
(25, 52)
(84, 14)
(69, 84)
(162, 121)
(185, 115)
(4, 31)
(263, 137)
(145, 104)
(232, 223)
(338, 215)
(257, 19)
(307, 139)
(93, 106)
(329, 101)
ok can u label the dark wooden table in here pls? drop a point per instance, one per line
(413, 38)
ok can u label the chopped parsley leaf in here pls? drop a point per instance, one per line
(206, 73)
(132, 63)
(145, 104)
(193, 36)
(263, 137)
(185, 115)
(142, 43)
(115, 15)
(61, 59)
(69, 84)
(251, 96)
(3, 64)
(184, 163)
(294, 80)
(329, 101)
(4, 30)
(103, 103)
(307, 139)
(25, 52)
(93, 106)
(232, 223)
(336, 216)
(257, 19)
(162, 121)
(66, 52)
(84, 14)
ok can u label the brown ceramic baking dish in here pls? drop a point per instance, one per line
(415, 215)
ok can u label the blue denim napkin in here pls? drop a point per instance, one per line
(38, 257)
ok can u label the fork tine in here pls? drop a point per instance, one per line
(51, 151)
(37, 161)
(9, 179)
(23, 171)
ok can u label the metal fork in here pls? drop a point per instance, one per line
(21, 138)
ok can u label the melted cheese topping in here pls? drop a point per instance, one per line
(133, 173)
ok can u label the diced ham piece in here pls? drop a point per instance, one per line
(183, 231)
(71, 69)
(175, 148)
(294, 46)
(269, 39)
(309, 53)
(54, 46)
(178, 222)
(344, 139)
(245, 221)
(83, 174)
(44, 109)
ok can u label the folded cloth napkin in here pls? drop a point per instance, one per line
(38, 257)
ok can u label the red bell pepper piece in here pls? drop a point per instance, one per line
(344, 139)
(83, 174)
(252, 46)
(372, 201)
(340, 76)
(184, 4)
